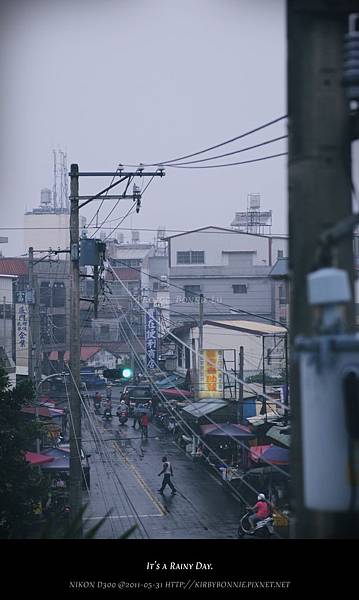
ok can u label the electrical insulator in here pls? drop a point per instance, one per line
(351, 59)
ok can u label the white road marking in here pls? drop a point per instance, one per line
(121, 517)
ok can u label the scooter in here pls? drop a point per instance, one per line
(263, 528)
(122, 417)
(107, 415)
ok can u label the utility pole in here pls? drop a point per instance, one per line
(36, 330)
(241, 373)
(201, 298)
(4, 321)
(31, 314)
(95, 291)
(75, 401)
(319, 182)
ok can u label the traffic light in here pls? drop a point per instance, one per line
(125, 372)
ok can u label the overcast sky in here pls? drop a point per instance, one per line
(143, 81)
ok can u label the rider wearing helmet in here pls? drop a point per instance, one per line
(261, 510)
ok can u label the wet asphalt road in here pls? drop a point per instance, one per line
(124, 482)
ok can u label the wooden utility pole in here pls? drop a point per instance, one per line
(319, 196)
(75, 401)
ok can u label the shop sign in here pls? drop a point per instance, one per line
(151, 339)
(210, 374)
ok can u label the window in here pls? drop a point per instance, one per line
(105, 331)
(193, 257)
(183, 258)
(282, 295)
(239, 289)
(191, 292)
(58, 294)
(156, 286)
(197, 257)
(45, 293)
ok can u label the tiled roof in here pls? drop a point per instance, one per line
(87, 352)
(13, 266)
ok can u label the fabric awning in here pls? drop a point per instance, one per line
(279, 434)
(227, 430)
(272, 454)
(37, 459)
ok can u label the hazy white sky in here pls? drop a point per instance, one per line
(143, 80)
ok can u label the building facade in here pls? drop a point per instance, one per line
(230, 268)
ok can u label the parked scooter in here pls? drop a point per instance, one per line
(263, 528)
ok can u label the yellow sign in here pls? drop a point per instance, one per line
(210, 374)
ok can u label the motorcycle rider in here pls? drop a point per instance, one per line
(262, 510)
(122, 411)
(97, 400)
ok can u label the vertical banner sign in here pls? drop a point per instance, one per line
(151, 338)
(22, 338)
(210, 374)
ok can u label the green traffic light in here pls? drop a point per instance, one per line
(127, 373)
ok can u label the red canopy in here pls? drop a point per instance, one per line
(37, 459)
(271, 454)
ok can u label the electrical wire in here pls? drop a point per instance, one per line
(243, 162)
(177, 414)
(113, 208)
(198, 294)
(191, 349)
(115, 473)
(132, 208)
(192, 162)
(234, 139)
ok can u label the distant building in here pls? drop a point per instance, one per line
(228, 267)
(48, 226)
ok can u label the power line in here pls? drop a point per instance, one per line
(186, 400)
(285, 407)
(243, 162)
(113, 208)
(282, 137)
(238, 137)
(210, 300)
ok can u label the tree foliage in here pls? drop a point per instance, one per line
(22, 487)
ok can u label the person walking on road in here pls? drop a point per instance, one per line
(167, 473)
(144, 426)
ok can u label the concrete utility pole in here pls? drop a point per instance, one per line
(240, 395)
(31, 315)
(75, 401)
(200, 340)
(4, 321)
(319, 197)
(75, 348)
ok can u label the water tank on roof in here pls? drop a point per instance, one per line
(254, 201)
(135, 236)
(46, 198)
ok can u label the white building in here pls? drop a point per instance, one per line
(227, 266)
(46, 229)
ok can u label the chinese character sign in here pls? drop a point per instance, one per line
(22, 335)
(151, 338)
(210, 374)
